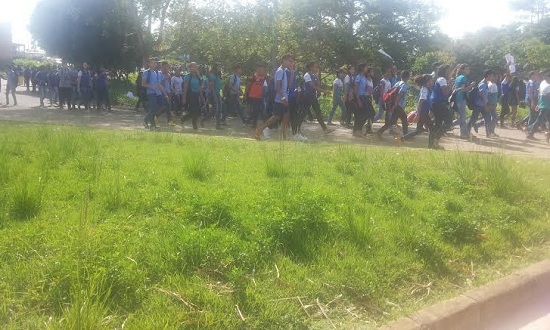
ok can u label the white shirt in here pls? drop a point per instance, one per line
(307, 77)
(442, 81)
(492, 88)
(544, 88)
(387, 86)
(347, 80)
(177, 84)
(370, 86)
(423, 93)
(338, 83)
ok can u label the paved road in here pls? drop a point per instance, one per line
(512, 141)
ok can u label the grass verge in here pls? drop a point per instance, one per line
(106, 229)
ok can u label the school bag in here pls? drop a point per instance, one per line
(391, 97)
(471, 98)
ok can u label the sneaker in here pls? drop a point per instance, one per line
(530, 137)
(329, 130)
(171, 123)
(492, 135)
(266, 133)
(464, 137)
(331, 123)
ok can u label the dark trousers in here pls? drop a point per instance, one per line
(297, 114)
(360, 114)
(10, 89)
(312, 102)
(256, 107)
(350, 107)
(441, 113)
(103, 98)
(391, 119)
(475, 115)
(505, 108)
(193, 108)
(234, 105)
(65, 96)
(423, 120)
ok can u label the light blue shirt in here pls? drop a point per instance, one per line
(280, 75)
(235, 82)
(152, 77)
(361, 82)
(484, 90)
(403, 90)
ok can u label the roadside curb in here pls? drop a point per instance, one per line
(479, 308)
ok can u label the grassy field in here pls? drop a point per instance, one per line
(144, 230)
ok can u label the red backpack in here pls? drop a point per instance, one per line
(391, 96)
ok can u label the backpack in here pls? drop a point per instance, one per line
(391, 96)
(471, 98)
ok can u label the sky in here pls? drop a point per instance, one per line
(456, 20)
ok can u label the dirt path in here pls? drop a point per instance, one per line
(511, 141)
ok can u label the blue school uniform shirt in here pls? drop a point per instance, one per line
(280, 75)
(403, 90)
(292, 83)
(425, 94)
(437, 95)
(484, 90)
(361, 82)
(152, 77)
(505, 87)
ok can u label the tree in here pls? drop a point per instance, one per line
(101, 32)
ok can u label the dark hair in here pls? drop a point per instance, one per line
(341, 71)
(287, 57)
(436, 65)
(487, 73)
(442, 70)
(236, 67)
(361, 68)
(405, 74)
(311, 65)
(422, 79)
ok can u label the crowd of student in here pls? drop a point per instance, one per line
(74, 87)
(287, 98)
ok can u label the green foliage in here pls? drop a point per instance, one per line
(143, 230)
(423, 63)
(100, 32)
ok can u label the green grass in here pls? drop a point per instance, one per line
(107, 229)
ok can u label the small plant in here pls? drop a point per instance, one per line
(26, 199)
(197, 165)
